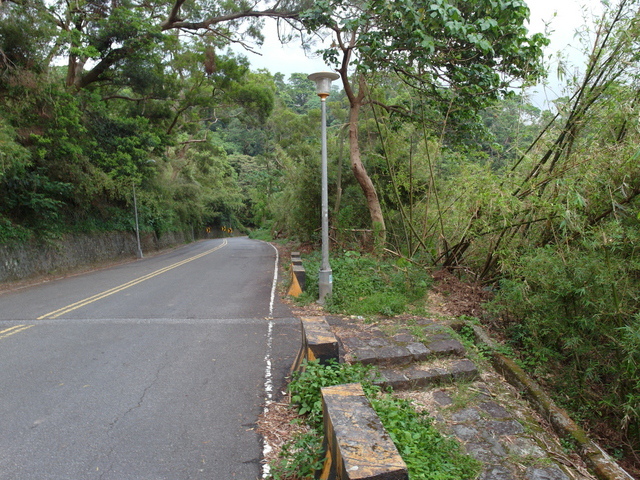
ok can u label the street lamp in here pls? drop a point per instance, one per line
(135, 213)
(325, 278)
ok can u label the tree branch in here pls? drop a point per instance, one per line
(628, 199)
(187, 142)
(129, 99)
(392, 108)
(206, 24)
(96, 72)
(174, 22)
(173, 15)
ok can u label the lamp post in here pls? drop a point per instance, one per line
(325, 278)
(135, 213)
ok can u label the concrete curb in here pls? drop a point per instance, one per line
(357, 445)
(603, 466)
(318, 343)
(356, 442)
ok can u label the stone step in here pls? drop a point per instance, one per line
(401, 349)
(423, 374)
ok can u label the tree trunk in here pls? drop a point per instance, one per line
(71, 70)
(369, 190)
(356, 100)
(336, 208)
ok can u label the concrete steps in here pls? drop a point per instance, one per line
(427, 374)
(424, 354)
(425, 363)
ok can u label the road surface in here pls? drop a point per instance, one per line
(155, 369)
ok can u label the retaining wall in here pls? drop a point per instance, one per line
(18, 262)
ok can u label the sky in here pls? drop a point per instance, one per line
(564, 18)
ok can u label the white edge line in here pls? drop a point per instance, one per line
(268, 375)
(274, 285)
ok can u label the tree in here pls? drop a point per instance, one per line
(298, 93)
(136, 103)
(106, 40)
(512, 124)
(460, 56)
(609, 84)
(24, 39)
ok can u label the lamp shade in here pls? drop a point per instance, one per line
(323, 81)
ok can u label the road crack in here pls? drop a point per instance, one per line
(107, 458)
(140, 401)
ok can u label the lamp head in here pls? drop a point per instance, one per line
(323, 82)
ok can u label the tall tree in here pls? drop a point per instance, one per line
(143, 81)
(459, 55)
(105, 39)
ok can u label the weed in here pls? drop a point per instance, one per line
(467, 337)
(305, 387)
(572, 311)
(261, 234)
(299, 459)
(418, 332)
(463, 394)
(367, 285)
(428, 455)
(568, 444)
(469, 320)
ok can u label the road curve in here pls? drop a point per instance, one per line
(150, 370)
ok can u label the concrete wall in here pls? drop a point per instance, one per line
(73, 251)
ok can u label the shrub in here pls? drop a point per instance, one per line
(368, 285)
(573, 313)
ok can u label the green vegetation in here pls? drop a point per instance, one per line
(574, 316)
(367, 285)
(299, 458)
(436, 160)
(305, 386)
(428, 455)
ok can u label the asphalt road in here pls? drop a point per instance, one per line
(155, 369)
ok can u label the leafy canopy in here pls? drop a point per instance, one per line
(471, 51)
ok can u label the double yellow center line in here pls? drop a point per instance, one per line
(124, 286)
(13, 330)
(69, 308)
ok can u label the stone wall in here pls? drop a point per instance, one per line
(41, 258)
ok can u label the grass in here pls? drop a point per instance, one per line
(261, 234)
(366, 285)
(428, 454)
(369, 286)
